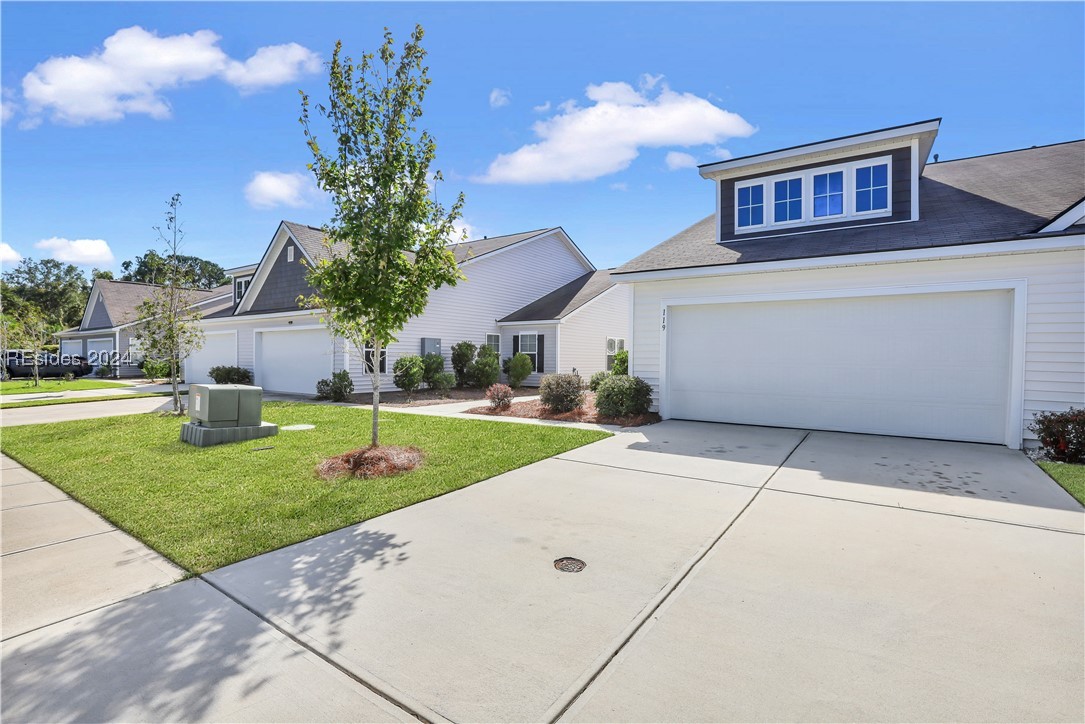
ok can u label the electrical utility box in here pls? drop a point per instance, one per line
(224, 405)
(431, 345)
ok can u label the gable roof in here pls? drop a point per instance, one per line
(997, 197)
(121, 300)
(564, 300)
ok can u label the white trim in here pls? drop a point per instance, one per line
(234, 319)
(914, 182)
(529, 321)
(1019, 288)
(92, 300)
(218, 333)
(1068, 218)
(994, 248)
(557, 350)
(630, 342)
(721, 167)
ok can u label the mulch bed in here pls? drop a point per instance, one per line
(421, 398)
(371, 462)
(535, 410)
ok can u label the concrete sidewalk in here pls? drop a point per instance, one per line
(134, 388)
(83, 410)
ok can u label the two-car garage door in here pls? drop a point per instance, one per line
(918, 365)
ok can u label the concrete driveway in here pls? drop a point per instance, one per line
(733, 574)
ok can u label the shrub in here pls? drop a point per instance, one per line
(226, 375)
(485, 370)
(561, 392)
(407, 373)
(69, 376)
(443, 381)
(463, 353)
(433, 364)
(500, 396)
(623, 396)
(597, 379)
(156, 368)
(518, 369)
(1062, 434)
(104, 371)
(337, 389)
(620, 366)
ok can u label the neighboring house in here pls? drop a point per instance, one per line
(852, 285)
(288, 349)
(107, 330)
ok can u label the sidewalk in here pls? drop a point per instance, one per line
(136, 388)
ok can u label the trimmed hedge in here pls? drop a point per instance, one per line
(623, 396)
(561, 392)
(229, 375)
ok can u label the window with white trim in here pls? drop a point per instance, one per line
(290, 253)
(240, 286)
(367, 360)
(493, 341)
(837, 192)
(614, 346)
(529, 345)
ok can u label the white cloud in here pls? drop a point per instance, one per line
(585, 143)
(269, 189)
(134, 67)
(620, 186)
(499, 97)
(461, 229)
(722, 153)
(542, 107)
(677, 159)
(83, 252)
(8, 104)
(9, 255)
(648, 81)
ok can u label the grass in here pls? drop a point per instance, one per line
(74, 400)
(22, 386)
(208, 507)
(1069, 476)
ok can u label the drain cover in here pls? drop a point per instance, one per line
(297, 427)
(570, 565)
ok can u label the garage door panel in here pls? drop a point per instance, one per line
(293, 360)
(217, 350)
(924, 365)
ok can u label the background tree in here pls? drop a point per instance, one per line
(153, 268)
(97, 273)
(27, 329)
(168, 328)
(387, 240)
(58, 290)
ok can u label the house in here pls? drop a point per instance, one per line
(107, 331)
(533, 292)
(858, 285)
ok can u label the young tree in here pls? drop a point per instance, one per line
(168, 326)
(28, 330)
(387, 241)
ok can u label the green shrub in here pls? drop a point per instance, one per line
(463, 353)
(408, 372)
(337, 389)
(443, 381)
(433, 364)
(1061, 434)
(621, 363)
(500, 396)
(485, 370)
(518, 369)
(561, 392)
(623, 396)
(597, 379)
(104, 371)
(228, 375)
(156, 369)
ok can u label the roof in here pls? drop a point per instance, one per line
(1002, 196)
(122, 299)
(564, 300)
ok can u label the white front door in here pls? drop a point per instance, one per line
(916, 365)
(293, 360)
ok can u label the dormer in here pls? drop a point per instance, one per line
(860, 180)
(242, 277)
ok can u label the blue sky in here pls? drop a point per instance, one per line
(587, 116)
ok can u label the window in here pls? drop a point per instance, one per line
(614, 346)
(787, 199)
(368, 360)
(529, 345)
(290, 253)
(751, 206)
(239, 288)
(493, 341)
(829, 194)
(872, 188)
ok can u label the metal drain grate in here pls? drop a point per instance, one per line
(570, 565)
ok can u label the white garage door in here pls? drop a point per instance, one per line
(294, 360)
(99, 352)
(218, 349)
(917, 365)
(71, 347)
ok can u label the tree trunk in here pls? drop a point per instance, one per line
(376, 378)
(176, 390)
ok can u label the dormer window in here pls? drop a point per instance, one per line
(751, 206)
(787, 200)
(872, 188)
(240, 286)
(828, 194)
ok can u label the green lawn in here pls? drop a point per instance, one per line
(1069, 476)
(24, 387)
(74, 400)
(207, 507)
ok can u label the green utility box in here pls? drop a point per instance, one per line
(224, 405)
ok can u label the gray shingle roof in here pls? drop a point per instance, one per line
(122, 299)
(564, 300)
(971, 200)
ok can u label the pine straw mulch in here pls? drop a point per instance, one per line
(371, 462)
(535, 410)
(421, 398)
